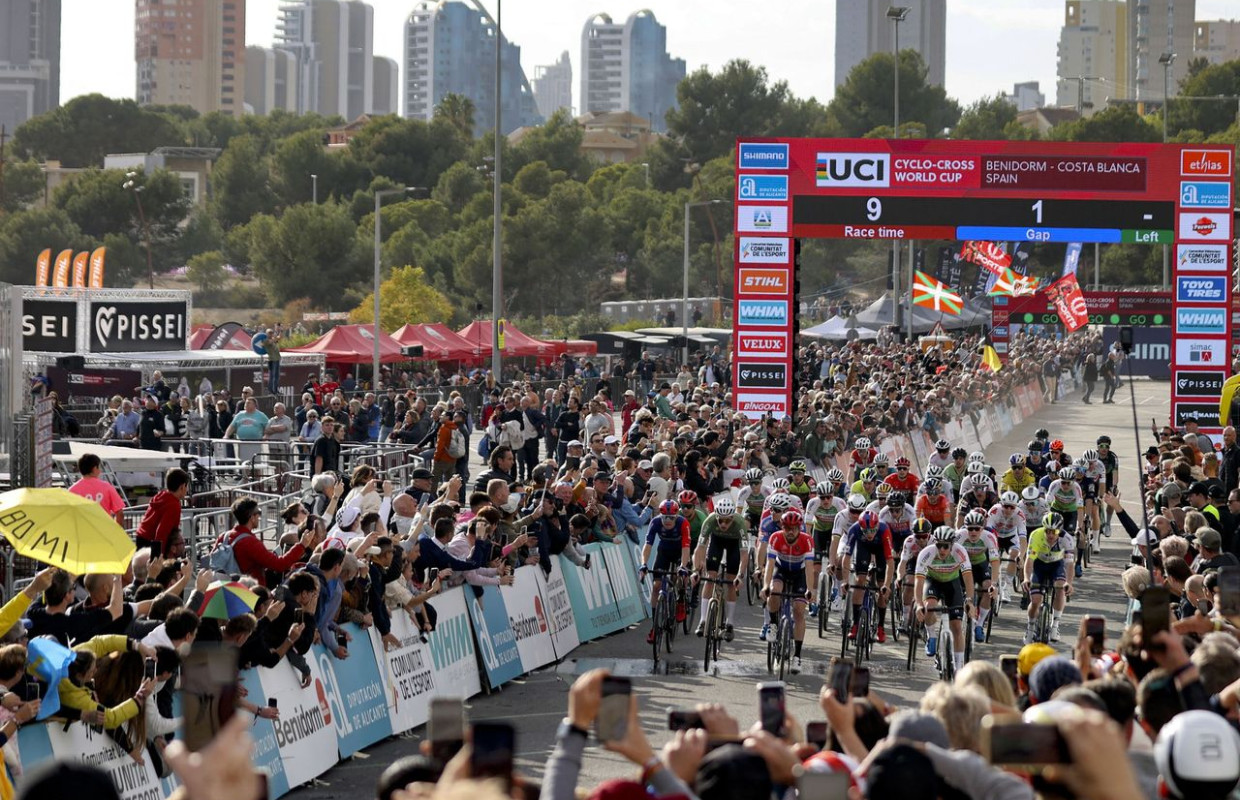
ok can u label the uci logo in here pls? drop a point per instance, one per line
(853, 169)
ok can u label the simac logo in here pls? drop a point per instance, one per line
(852, 169)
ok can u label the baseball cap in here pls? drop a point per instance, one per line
(346, 516)
(420, 474)
(575, 443)
(1217, 492)
(1198, 487)
(1210, 539)
(1198, 755)
(918, 727)
(611, 440)
(1050, 674)
(645, 464)
(1030, 655)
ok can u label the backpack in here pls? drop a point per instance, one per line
(222, 559)
(457, 447)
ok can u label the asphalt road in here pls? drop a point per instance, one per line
(536, 703)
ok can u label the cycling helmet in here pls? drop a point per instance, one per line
(944, 534)
(836, 475)
(825, 489)
(881, 460)
(922, 527)
(942, 445)
(797, 466)
(883, 490)
(977, 457)
(1017, 460)
(792, 519)
(1042, 433)
(960, 452)
(669, 508)
(933, 471)
(857, 502)
(780, 502)
(1009, 498)
(976, 468)
(1052, 520)
(862, 443)
(753, 475)
(1070, 472)
(1088, 456)
(975, 517)
(1057, 445)
(976, 482)
(1031, 494)
(933, 486)
(1053, 467)
(687, 498)
(903, 462)
(868, 521)
(868, 476)
(1035, 446)
(1104, 440)
(896, 500)
(780, 484)
(725, 507)
(1180, 753)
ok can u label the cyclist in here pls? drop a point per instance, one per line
(869, 539)
(865, 483)
(839, 532)
(945, 485)
(1110, 464)
(898, 516)
(836, 477)
(725, 542)
(934, 505)
(881, 467)
(1093, 481)
(1036, 460)
(977, 464)
(822, 510)
(1064, 496)
(1008, 522)
(881, 492)
(1044, 437)
(977, 494)
(1032, 504)
(983, 550)
(777, 505)
(1019, 476)
(939, 573)
(913, 545)
(752, 497)
(903, 480)
(1044, 563)
(1052, 475)
(941, 456)
(862, 456)
(955, 471)
(669, 536)
(798, 486)
(1056, 453)
(688, 501)
(785, 572)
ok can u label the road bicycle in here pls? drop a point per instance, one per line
(779, 649)
(828, 588)
(664, 613)
(715, 619)
(868, 620)
(996, 603)
(1046, 612)
(753, 577)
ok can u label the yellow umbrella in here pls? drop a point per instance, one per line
(59, 528)
(1224, 400)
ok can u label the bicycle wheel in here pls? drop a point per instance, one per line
(669, 620)
(771, 639)
(863, 632)
(712, 630)
(968, 638)
(912, 645)
(785, 645)
(947, 649)
(750, 588)
(846, 626)
(895, 612)
(686, 598)
(657, 622)
(824, 601)
(995, 604)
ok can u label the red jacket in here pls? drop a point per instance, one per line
(162, 515)
(254, 558)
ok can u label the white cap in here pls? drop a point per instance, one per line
(575, 443)
(645, 464)
(1198, 752)
(346, 516)
(611, 440)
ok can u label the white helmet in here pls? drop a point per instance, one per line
(934, 471)
(1090, 455)
(1010, 498)
(862, 443)
(881, 459)
(857, 502)
(780, 502)
(976, 468)
(975, 517)
(780, 484)
(1031, 493)
(1198, 755)
(725, 507)
(977, 456)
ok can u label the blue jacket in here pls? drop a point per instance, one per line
(328, 608)
(431, 554)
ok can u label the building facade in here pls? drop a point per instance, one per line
(1026, 96)
(191, 52)
(387, 87)
(333, 42)
(553, 86)
(1156, 27)
(450, 49)
(626, 67)
(271, 80)
(1217, 40)
(29, 59)
(862, 29)
(1093, 55)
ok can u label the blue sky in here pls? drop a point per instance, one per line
(991, 44)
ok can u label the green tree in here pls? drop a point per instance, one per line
(24, 234)
(1114, 124)
(206, 271)
(310, 251)
(24, 182)
(98, 202)
(457, 185)
(296, 158)
(864, 101)
(987, 118)
(404, 297)
(408, 152)
(558, 143)
(458, 111)
(1214, 107)
(241, 183)
(81, 132)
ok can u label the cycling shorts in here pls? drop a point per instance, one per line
(727, 551)
(949, 594)
(1008, 543)
(1045, 572)
(666, 560)
(822, 543)
(981, 573)
(792, 581)
(1089, 488)
(862, 559)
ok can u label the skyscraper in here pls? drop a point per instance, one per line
(191, 52)
(450, 49)
(333, 41)
(863, 29)
(387, 86)
(271, 80)
(1093, 54)
(29, 59)
(1156, 27)
(553, 86)
(627, 68)
(1217, 40)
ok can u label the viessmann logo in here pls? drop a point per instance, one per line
(852, 169)
(1205, 163)
(754, 280)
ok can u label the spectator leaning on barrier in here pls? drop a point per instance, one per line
(253, 557)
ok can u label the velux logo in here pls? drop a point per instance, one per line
(761, 344)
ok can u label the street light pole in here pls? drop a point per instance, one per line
(497, 267)
(896, 14)
(1166, 59)
(314, 188)
(379, 195)
(684, 301)
(131, 184)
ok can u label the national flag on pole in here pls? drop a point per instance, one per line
(1010, 284)
(1066, 294)
(931, 294)
(988, 255)
(990, 359)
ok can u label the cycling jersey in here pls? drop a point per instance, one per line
(824, 511)
(971, 501)
(900, 526)
(1095, 471)
(1013, 482)
(1038, 468)
(1036, 510)
(954, 475)
(790, 556)
(856, 543)
(910, 551)
(695, 525)
(942, 568)
(676, 538)
(843, 522)
(802, 490)
(1110, 463)
(1064, 496)
(753, 500)
(859, 488)
(1039, 550)
(1006, 524)
(908, 485)
(940, 460)
(937, 511)
(768, 526)
(711, 529)
(860, 459)
(985, 548)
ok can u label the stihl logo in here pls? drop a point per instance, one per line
(1215, 163)
(762, 281)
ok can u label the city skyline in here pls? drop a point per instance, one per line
(988, 48)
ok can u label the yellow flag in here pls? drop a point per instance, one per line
(991, 359)
(1224, 400)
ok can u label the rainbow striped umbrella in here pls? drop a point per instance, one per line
(225, 600)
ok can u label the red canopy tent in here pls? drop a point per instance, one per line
(240, 340)
(516, 343)
(353, 344)
(581, 347)
(439, 342)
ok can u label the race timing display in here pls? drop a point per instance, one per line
(1174, 195)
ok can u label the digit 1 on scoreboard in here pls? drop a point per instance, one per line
(1037, 209)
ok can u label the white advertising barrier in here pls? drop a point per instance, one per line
(557, 606)
(133, 780)
(305, 733)
(445, 666)
(528, 619)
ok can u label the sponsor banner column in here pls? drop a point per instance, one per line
(527, 618)
(1202, 292)
(305, 733)
(355, 691)
(763, 312)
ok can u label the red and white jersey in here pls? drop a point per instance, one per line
(790, 556)
(1006, 523)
